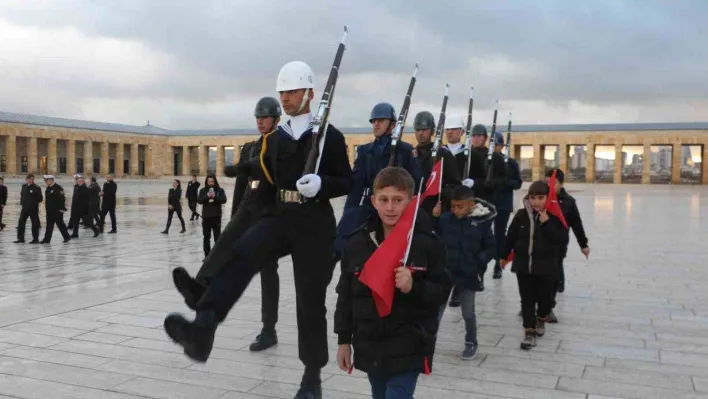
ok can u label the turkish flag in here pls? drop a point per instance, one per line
(379, 270)
(552, 205)
(434, 184)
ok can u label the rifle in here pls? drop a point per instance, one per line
(321, 118)
(491, 143)
(468, 137)
(401, 122)
(508, 141)
(435, 155)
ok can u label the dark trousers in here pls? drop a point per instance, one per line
(97, 218)
(88, 222)
(112, 213)
(222, 255)
(535, 291)
(58, 219)
(399, 386)
(2, 208)
(171, 212)
(209, 226)
(34, 217)
(306, 232)
(192, 207)
(560, 280)
(500, 223)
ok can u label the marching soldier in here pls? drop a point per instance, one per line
(303, 226)
(370, 159)
(55, 206)
(95, 202)
(108, 206)
(454, 124)
(424, 124)
(80, 208)
(30, 198)
(477, 170)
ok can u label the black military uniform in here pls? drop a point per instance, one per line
(30, 198)
(478, 166)
(80, 210)
(55, 206)
(424, 156)
(191, 194)
(95, 202)
(301, 227)
(3, 202)
(108, 206)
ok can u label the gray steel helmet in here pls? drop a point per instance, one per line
(424, 120)
(382, 111)
(479, 130)
(267, 106)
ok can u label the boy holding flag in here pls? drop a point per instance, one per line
(390, 291)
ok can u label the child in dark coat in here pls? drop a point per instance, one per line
(392, 350)
(466, 231)
(536, 237)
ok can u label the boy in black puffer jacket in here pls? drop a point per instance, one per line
(536, 237)
(392, 350)
(466, 231)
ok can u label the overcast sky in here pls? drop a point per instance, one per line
(203, 64)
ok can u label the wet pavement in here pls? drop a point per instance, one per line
(84, 319)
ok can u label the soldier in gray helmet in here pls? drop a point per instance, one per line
(247, 207)
(424, 125)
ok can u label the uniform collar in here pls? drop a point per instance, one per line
(455, 148)
(298, 125)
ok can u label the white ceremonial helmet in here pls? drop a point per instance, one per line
(454, 121)
(295, 75)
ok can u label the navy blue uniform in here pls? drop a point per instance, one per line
(371, 159)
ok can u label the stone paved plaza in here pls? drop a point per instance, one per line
(84, 319)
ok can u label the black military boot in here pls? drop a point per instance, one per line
(190, 289)
(454, 299)
(311, 385)
(497, 273)
(196, 337)
(266, 339)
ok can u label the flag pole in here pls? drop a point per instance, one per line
(415, 217)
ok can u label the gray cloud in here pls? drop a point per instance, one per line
(551, 54)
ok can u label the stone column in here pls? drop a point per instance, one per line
(32, 155)
(149, 161)
(52, 167)
(120, 157)
(676, 163)
(563, 158)
(186, 161)
(618, 164)
(220, 160)
(646, 164)
(203, 159)
(104, 158)
(134, 159)
(11, 154)
(237, 154)
(537, 164)
(71, 157)
(590, 163)
(704, 165)
(88, 158)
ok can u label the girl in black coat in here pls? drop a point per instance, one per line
(174, 205)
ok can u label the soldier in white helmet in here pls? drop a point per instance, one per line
(303, 226)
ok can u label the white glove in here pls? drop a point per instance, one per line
(309, 185)
(468, 183)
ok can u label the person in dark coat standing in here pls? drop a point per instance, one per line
(70, 226)
(212, 198)
(80, 207)
(192, 196)
(55, 206)
(505, 180)
(108, 206)
(95, 202)
(3, 201)
(30, 198)
(174, 204)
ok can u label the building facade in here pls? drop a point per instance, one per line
(651, 153)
